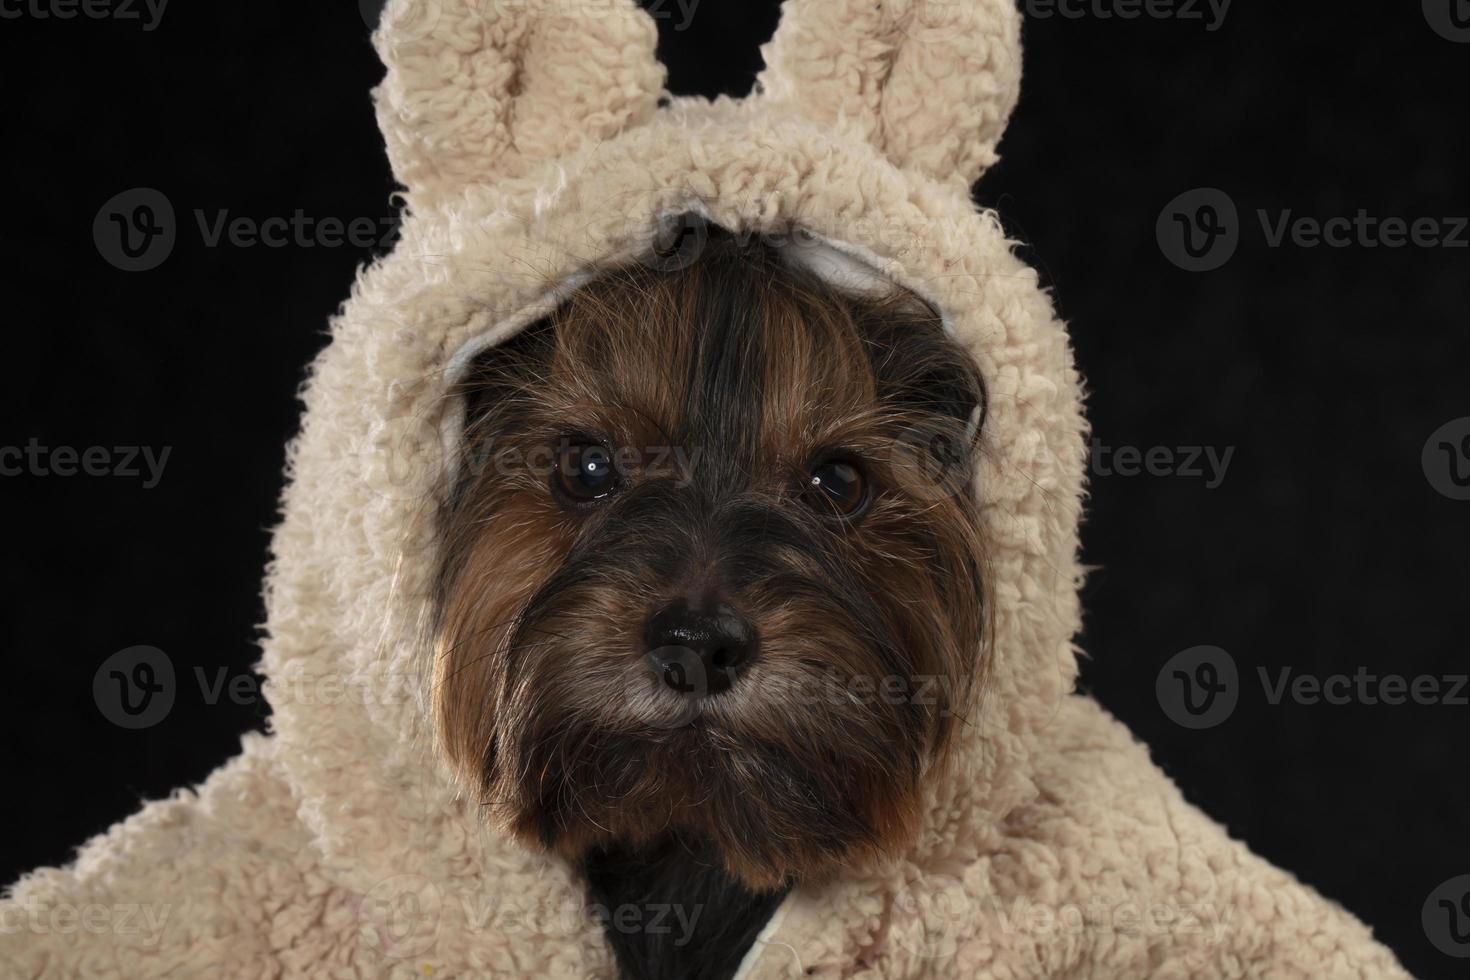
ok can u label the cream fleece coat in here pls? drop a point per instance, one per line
(536, 146)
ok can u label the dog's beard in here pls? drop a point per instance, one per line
(815, 753)
(869, 635)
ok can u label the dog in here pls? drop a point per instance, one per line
(710, 599)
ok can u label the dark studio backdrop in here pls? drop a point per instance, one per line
(1281, 462)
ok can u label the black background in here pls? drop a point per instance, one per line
(1324, 548)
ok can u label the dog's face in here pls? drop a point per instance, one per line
(711, 565)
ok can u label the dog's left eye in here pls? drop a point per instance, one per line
(837, 488)
(584, 473)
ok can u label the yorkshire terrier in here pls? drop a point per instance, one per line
(710, 603)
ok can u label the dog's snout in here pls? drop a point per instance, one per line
(699, 650)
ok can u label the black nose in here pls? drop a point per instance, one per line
(699, 650)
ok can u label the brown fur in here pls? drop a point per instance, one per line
(871, 630)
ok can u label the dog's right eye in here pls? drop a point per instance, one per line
(584, 473)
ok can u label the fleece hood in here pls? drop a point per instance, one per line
(537, 147)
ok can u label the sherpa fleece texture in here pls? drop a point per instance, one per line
(535, 149)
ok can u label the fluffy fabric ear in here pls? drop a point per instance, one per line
(478, 90)
(929, 82)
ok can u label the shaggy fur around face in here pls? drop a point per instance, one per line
(714, 392)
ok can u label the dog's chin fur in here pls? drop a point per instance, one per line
(720, 384)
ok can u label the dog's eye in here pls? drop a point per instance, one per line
(584, 473)
(837, 488)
